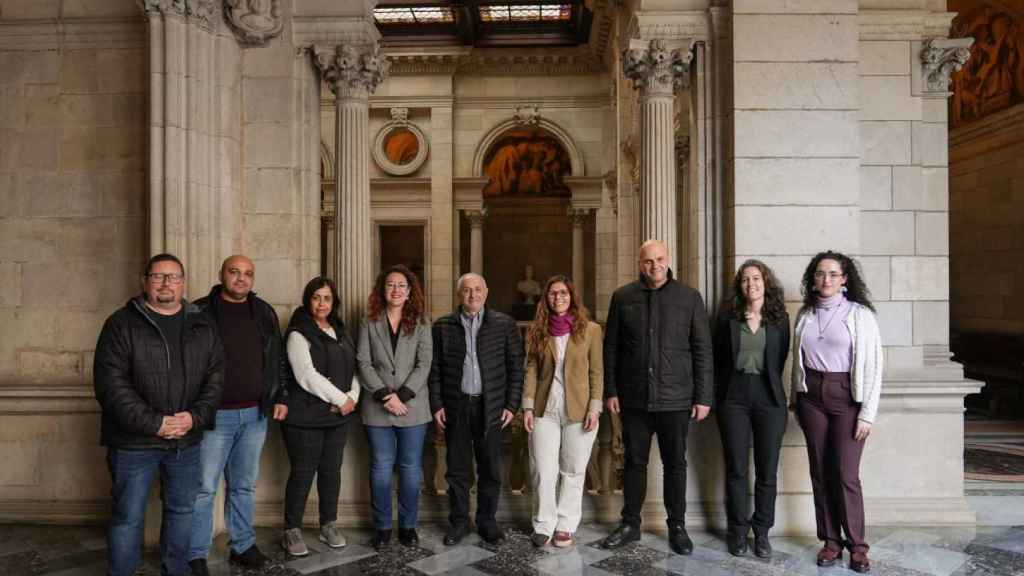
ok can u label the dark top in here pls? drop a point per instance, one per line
(275, 370)
(750, 358)
(333, 358)
(393, 334)
(657, 348)
(133, 380)
(170, 327)
(727, 346)
(243, 356)
(499, 350)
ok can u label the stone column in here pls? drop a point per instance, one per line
(578, 217)
(352, 74)
(476, 240)
(656, 72)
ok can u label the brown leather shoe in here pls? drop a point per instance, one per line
(829, 554)
(859, 561)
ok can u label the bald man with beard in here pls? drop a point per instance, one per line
(254, 378)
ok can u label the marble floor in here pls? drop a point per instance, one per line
(982, 551)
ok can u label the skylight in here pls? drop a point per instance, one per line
(414, 15)
(504, 13)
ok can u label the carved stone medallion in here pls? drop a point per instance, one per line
(254, 22)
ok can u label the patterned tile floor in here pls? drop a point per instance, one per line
(983, 551)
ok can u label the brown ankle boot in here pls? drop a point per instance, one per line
(859, 561)
(829, 554)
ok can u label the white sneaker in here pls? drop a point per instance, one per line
(293, 543)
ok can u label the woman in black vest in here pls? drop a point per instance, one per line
(322, 397)
(751, 343)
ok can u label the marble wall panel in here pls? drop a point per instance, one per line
(932, 233)
(885, 143)
(791, 133)
(886, 233)
(795, 181)
(931, 323)
(788, 85)
(895, 322)
(920, 278)
(795, 38)
(888, 98)
(884, 58)
(876, 187)
(791, 230)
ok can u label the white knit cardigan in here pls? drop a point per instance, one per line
(866, 364)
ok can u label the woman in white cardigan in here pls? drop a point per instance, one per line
(836, 384)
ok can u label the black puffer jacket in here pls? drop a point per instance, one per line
(131, 374)
(275, 364)
(499, 351)
(657, 348)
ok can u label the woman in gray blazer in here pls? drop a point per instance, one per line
(394, 356)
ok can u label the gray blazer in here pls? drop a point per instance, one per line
(383, 372)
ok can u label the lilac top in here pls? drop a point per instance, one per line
(826, 342)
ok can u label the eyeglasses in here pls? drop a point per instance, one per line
(159, 277)
(558, 294)
(821, 275)
(396, 287)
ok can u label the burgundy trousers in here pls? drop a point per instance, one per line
(828, 416)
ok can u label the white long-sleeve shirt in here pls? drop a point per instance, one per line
(312, 381)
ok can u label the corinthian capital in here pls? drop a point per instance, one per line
(201, 11)
(655, 69)
(940, 57)
(351, 72)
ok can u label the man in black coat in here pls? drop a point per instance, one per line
(476, 384)
(158, 373)
(254, 389)
(658, 375)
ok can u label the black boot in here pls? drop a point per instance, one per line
(679, 541)
(408, 537)
(380, 539)
(737, 543)
(624, 534)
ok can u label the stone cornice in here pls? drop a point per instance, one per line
(498, 63)
(903, 25)
(73, 33)
(333, 31)
(669, 26)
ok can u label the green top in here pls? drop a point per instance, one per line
(750, 358)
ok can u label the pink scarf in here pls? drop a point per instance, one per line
(560, 325)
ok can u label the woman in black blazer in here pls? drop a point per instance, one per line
(751, 343)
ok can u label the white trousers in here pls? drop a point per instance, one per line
(559, 451)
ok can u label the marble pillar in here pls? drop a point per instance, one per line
(352, 73)
(578, 217)
(476, 240)
(656, 71)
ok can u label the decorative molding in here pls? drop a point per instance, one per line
(48, 400)
(308, 31)
(682, 148)
(611, 184)
(400, 115)
(527, 115)
(903, 25)
(201, 11)
(577, 216)
(656, 70)
(538, 63)
(940, 57)
(254, 22)
(351, 72)
(72, 33)
(468, 193)
(671, 27)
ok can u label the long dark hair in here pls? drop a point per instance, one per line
(412, 310)
(537, 334)
(314, 285)
(856, 290)
(774, 309)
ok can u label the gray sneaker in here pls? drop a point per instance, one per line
(330, 535)
(293, 543)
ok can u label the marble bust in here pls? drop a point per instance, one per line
(528, 287)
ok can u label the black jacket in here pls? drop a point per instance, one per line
(131, 373)
(657, 348)
(727, 345)
(275, 366)
(499, 352)
(334, 359)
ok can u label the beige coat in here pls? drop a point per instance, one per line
(584, 376)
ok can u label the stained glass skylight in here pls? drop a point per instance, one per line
(414, 15)
(505, 13)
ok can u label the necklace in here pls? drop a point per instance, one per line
(823, 329)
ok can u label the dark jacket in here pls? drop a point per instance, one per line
(334, 359)
(131, 372)
(275, 366)
(727, 345)
(657, 348)
(499, 351)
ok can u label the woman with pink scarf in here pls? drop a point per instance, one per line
(561, 406)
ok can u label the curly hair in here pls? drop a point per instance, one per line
(856, 290)
(537, 334)
(412, 310)
(774, 309)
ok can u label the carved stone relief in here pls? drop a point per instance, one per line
(527, 115)
(656, 69)
(993, 78)
(202, 11)
(940, 58)
(254, 22)
(351, 72)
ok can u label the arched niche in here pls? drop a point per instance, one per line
(495, 134)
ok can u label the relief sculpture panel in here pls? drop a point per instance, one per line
(993, 78)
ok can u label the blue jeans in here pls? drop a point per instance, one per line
(387, 444)
(131, 475)
(233, 448)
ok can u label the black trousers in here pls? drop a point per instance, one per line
(313, 452)
(748, 415)
(466, 437)
(637, 428)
